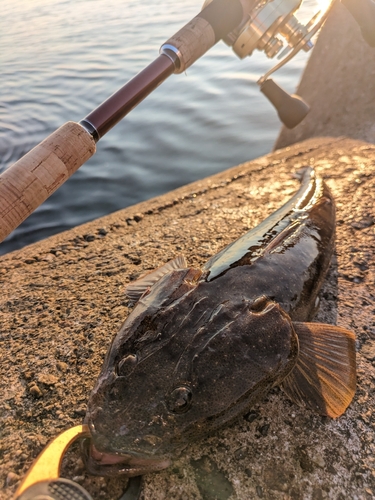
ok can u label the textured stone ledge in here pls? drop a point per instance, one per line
(62, 301)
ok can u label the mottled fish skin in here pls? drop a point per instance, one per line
(203, 345)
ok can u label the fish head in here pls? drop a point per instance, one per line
(182, 365)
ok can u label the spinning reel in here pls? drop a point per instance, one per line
(271, 26)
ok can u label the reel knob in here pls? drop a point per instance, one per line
(291, 109)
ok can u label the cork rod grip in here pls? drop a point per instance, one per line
(31, 180)
(213, 23)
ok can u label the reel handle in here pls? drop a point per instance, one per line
(292, 109)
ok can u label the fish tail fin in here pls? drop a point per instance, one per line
(324, 377)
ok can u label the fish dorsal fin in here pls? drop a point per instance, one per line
(136, 289)
(324, 377)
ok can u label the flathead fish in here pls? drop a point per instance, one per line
(203, 345)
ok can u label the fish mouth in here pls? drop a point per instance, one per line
(102, 463)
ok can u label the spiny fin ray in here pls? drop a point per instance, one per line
(135, 290)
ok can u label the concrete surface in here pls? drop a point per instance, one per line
(62, 301)
(338, 83)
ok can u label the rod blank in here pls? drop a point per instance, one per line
(111, 111)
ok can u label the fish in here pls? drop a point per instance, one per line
(202, 346)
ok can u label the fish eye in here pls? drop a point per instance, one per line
(259, 304)
(126, 364)
(179, 400)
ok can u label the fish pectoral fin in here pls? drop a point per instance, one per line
(135, 290)
(324, 377)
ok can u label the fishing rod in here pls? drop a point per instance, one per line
(245, 25)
